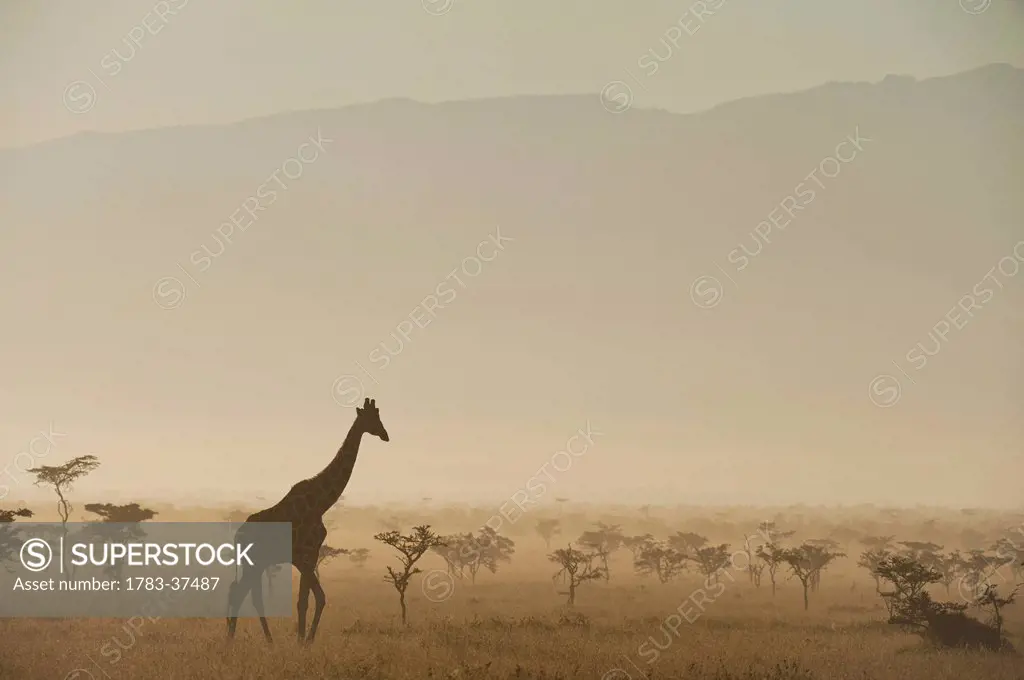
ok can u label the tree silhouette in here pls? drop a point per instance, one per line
(410, 549)
(976, 570)
(925, 552)
(949, 568)
(993, 603)
(359, 556)
(655, 557)
(637, 544)
(845, 536)
(487, 549)
(711, 559)
(943, 623)
(805, 561)
(829, 546)
(62, 478)
(9, 535)
(772, 533)
(602, 542)
(451, 550)
(754, 568)
(577, 567)
(870, 559)
(1008, 554)
(548, 529)
(688, 542)
(772, 555)
(908, 579)
(8, 516)
(126, 520)
(327, 553)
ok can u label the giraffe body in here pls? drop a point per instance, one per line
(303, 507)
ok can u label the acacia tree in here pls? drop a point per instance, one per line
(993, 603)
(1008, 554)
(976, 571)
(772, 555)
(602, 542)
(687, 542)
(488, 549)
(944, 623)
(637, 544)
(577, 567)
(754, 568)
(711, 560)
(805, 561)
(656, 557)
(924, 552)
(548, 528)
(62, 478)
(772, 533)
(126, 519)
(845, 536)
(410, 549)
(8, 516)
(870, 559)
(327, 553)
(8, 534)
(828, 545)
(908, 579)
(449, 552)
(878, 543)
(948, 567)
(359, 556)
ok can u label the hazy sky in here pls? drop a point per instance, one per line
(217, 62)
(241, 58)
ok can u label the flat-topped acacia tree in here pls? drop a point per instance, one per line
(127, 518)
(8, 535)
(806, 561)
(359, 556)
(327, 553)
(62, 478)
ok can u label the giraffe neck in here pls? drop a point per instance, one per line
(334, 478)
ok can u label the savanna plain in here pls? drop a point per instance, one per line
(512, 618)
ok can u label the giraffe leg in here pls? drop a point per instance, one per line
(257, 601)
(237, 592)
(303, 603)
(320, 601)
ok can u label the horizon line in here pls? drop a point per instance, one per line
(476, 100)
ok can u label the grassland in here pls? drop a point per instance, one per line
(514, 625)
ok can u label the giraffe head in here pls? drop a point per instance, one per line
(368, 418)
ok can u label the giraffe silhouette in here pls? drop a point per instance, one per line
(304, 507)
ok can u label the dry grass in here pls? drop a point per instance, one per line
(512, 625)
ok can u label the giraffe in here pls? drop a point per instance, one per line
(304, 507)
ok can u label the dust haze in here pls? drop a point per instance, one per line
(616, 278)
